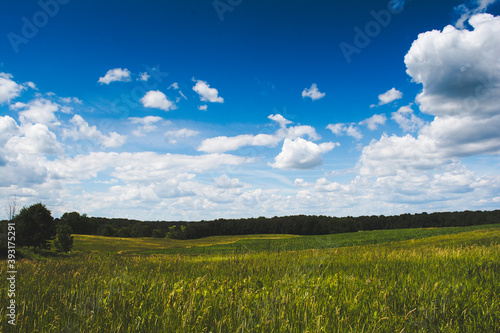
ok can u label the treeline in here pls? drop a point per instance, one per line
(321, 225)
(298, 224)
(116, 227)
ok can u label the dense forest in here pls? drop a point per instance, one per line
(298, 225)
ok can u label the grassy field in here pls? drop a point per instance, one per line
(414, 280)
(85, 243)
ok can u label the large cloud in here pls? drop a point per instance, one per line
(459, 69)
(460, 74)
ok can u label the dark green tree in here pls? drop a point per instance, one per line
(80, 224)
(158, 233)
(107, 231)
(64, 240)
(35, 227)
(124, 232)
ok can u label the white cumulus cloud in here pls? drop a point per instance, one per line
(407, 120)
(9, 89)
(301, 154)
(206, 93)
(223, 143)
(459, 69)
(313, 93)
(374, 121)
(280, 120)
(389, 96)
(143, 76)
(340, 129)
(39, 110)
(35, 139)
(116, 74)
(157, 100)
(82, 131)
(460, 74)
(8, 128)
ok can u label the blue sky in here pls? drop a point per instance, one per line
(205, 109)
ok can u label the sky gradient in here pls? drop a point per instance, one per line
(191, 110)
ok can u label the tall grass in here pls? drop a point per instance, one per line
(441, 284)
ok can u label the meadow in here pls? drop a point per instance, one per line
(411, 280)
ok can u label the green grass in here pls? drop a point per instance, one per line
(283, 244)
(255, 243)
(438, 283)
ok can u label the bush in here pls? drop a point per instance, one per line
(64, 240)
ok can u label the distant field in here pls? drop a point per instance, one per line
(433, 282)
(257, 243)
(86, 243)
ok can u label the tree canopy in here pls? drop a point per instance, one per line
(35, 227)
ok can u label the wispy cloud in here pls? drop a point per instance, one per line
(469, 8)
